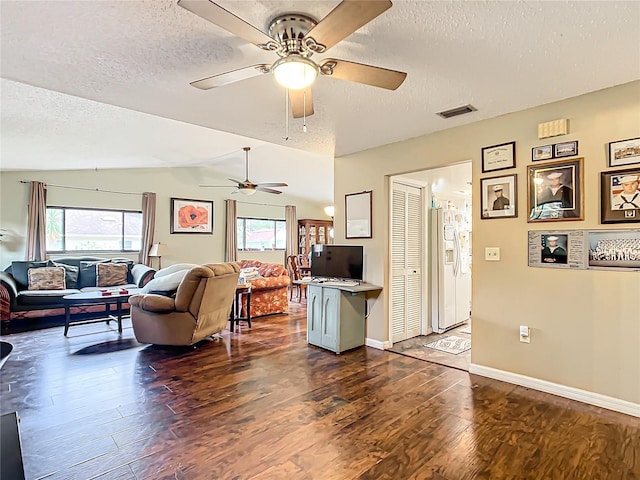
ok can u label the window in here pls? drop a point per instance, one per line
(261, 234)
(81, 230)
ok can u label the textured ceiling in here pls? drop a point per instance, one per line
(141, 55)
(50, 131)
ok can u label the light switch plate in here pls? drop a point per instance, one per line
(492, 254)
(525, 334)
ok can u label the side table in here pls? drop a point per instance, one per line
(236, 308)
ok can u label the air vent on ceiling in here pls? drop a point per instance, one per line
(454, 112)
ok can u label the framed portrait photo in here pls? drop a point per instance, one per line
(544, 152)
(499, 197)
(191, 216)
(565, 149)
(555, 191)
(620, 196)
(499, 157)
(624, 152)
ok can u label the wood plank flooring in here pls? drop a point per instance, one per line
(262, 404)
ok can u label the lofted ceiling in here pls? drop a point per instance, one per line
(141, 55)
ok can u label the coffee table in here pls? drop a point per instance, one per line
(97, 298)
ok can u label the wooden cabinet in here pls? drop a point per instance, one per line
(335, 318)
(312, 232)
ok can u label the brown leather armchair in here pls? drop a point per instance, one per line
(200, 308)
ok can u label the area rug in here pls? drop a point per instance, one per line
(451, 344)
(466, 329)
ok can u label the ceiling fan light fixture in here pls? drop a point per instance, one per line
(247, 190)
(295, 72)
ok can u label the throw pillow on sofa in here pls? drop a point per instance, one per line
(129, 263)
(46, 278)
(167, 284)
(70, 274)
(20, 270)
(111, 274)
(174, 268)
(87, 276)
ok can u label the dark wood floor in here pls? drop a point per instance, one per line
(262, 404)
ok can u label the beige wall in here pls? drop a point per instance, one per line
(166, 183)
(585, 324)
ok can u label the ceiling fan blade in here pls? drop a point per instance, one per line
(230, 77)
(215, 186)
(236, 181)
(301, 100)
(267, 190)
(345, 19)
(225, 19)
(272, 184)
(360, 73)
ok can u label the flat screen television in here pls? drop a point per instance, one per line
(337, 261)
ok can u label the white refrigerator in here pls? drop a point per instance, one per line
(450, 268)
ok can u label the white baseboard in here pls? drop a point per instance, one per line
(583, 396)
(369, 342)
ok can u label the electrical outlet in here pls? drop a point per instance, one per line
(492, 254)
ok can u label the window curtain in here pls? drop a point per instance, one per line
(231, 240)
(36, 227)
(291, 219)
(148, 226)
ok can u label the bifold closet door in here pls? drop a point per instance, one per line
(406, 261)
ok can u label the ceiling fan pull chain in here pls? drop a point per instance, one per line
(304, 111)
(286, 114)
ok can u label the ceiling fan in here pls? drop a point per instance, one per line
(247, 187)
(295, 37)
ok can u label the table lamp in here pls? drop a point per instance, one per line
(158, 250)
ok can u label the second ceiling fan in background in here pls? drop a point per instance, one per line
(246, 186)
(295, 37)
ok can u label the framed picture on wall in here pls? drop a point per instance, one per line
(565, 149)
(624, 152)
(499, 157)
(357, 207)
(555, 191)
(191, 216)
(620, 196)
(544, 152)
(499, 197)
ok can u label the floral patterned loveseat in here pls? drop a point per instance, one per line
(269, 291)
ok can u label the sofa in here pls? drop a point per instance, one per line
(44, 299)
(268, 289)
(199, 309)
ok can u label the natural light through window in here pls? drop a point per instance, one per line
(256, 234)
(93, 230)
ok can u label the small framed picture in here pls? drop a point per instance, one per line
(620, 196)
(499, 157)
(555, 191)
(566, 149)
(191, 216)
(624, 152)
(499, 197)
(554, 248)
(544, 152)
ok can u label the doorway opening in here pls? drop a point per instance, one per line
(430, 258)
